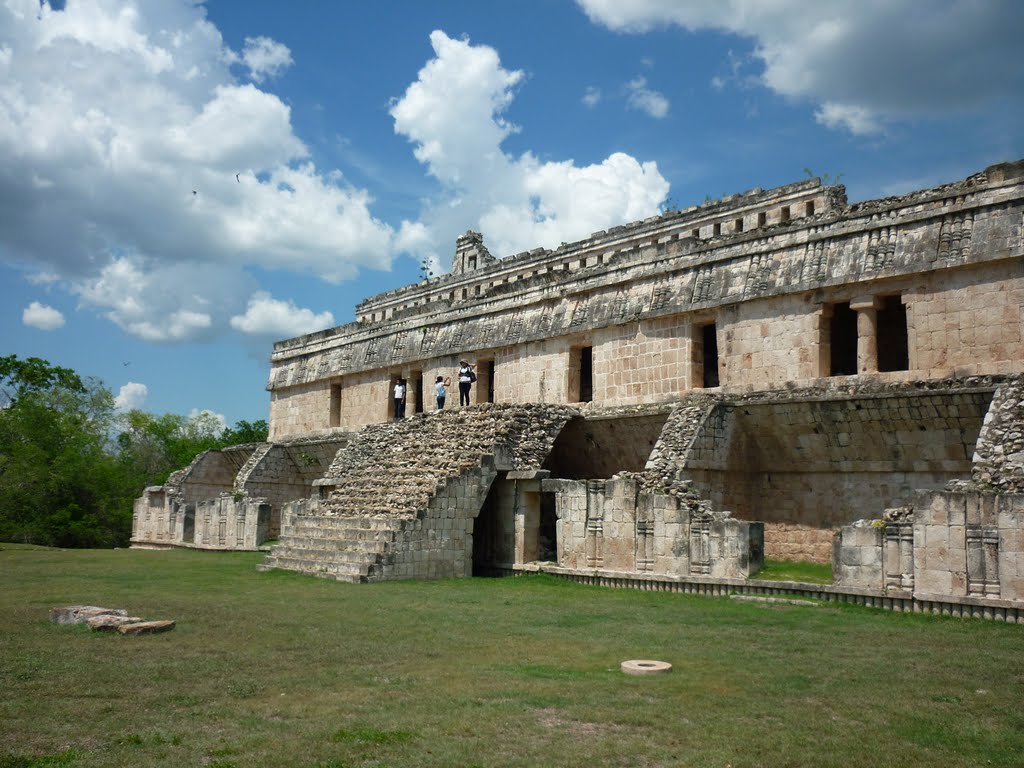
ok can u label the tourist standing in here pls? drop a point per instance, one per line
(466, 379)
(441, 385)
(400, 399)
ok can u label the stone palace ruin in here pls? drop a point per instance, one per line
(779, 373)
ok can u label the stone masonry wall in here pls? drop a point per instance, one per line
(768, 290)
(966, 541)
(611, 526)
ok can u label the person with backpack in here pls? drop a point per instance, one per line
(466, 379)
(441, 385)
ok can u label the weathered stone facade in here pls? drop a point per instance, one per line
(664, 398)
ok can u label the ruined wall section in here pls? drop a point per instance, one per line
(999, 458)
(612, 526)
(209, 474)
(807, 461)
(966, 541)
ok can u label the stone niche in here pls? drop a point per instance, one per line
(609, 525)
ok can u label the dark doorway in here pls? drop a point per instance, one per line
(586, 374)
(547, 545)
(843, 341)
(335, 414)
(892, 335)
(493, 534)
(709, 343)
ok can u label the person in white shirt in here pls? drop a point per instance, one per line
(400, 399)
(466, 379)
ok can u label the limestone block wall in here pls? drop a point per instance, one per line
(226, 523)
(643, 362)
(968, 322)
(857, 555)
(611, 526)
(950, 544)
(766, 343)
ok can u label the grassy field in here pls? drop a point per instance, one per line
(278, 669)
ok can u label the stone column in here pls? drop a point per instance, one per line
(866, 308)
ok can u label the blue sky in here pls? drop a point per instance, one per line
(181, 184)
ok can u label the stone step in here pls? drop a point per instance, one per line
(351, 572)
(311, 562)
(330, 546)
(341, 529)
(344, 522)
(337, 535)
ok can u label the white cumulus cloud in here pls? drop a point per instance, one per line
(131, 396)
(454, 114)
(267, 316)
(138, 170)
(43, 317)
(863, 62)
(265, 57)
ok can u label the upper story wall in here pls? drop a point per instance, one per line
(749, 250)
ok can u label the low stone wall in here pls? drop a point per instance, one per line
(227, 523)
(611, 525)
(224, 522)
(951, 544)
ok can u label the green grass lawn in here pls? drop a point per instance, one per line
(277, 669)
(787, 570)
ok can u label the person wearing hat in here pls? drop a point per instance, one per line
(466, 379)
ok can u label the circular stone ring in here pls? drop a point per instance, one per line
(645, 667)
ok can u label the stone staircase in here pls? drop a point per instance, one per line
(378, 489)
(352, 549)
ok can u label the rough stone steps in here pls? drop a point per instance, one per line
(341, 552)
(342, 523)
(384, 480)
(358, 548)
(342, 571)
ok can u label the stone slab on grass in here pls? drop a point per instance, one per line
(146, 627)
(110, 622)
(80, 614)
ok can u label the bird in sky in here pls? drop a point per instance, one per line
(238, 179)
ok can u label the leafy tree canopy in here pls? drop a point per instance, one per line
(19, 377)
(71, 465)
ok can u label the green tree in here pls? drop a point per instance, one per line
(64, 479)
(20, 377)
(246, 432)
(59, 483)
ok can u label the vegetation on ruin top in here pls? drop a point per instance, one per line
(276, 669)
